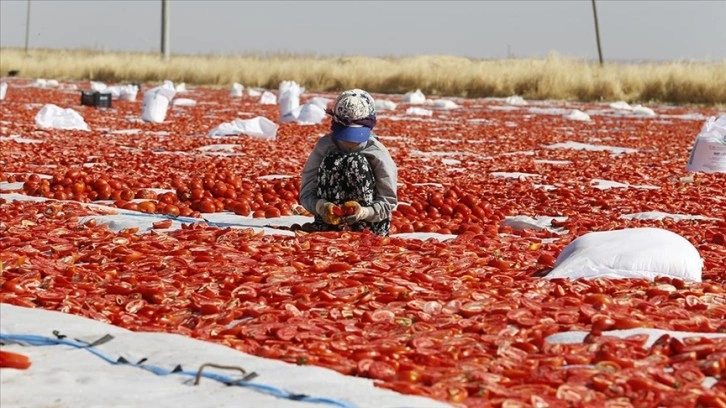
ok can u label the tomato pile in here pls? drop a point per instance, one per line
(463, 321)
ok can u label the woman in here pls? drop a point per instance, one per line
(349, 180)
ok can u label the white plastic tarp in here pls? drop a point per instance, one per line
(259, 127)
(55, 117)
(418, 111)
(709, 150)
(156, 102)
(636, 253)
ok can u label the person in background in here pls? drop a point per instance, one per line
(349, 179)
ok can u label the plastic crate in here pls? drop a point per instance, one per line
(95, 98)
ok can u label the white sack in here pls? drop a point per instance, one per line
(156, 103)
(180, 88)
(414, 98)
(641, 110)
(383, 104)
(3, 90)
(516, 100)
(289, 98)
(259, 127)
(184, 102)
(418, 111)
(236, 90)
(319, 101)
(308, 114)
(637, 253)
(253, 92)
(709, 150)
(443, 104)
(577, 114)
(128, 92)
(621, 105)
(54, 117)
(98, 86)
(268, 98)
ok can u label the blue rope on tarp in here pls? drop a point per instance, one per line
(35, 340)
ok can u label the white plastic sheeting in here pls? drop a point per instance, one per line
(259, 127)
(418, 111)
(55, 117)
(637, 253)
(156, 102)
(709, 150)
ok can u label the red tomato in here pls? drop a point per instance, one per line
(13, 360)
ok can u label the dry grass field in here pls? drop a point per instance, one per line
(554, 77)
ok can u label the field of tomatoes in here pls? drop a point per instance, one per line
(463, 320)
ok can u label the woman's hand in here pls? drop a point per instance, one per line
(325, 210)
(357, 212)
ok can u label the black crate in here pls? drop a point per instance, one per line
(95, 98)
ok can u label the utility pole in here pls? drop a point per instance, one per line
(165, 29)
(597, 32)
(27, 29)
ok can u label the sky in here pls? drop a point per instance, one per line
(629, 30)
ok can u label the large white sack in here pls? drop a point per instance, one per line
(384, 104)
(308, 114)
(577, 114)
(156, 102)
(289, 97)
(638, 253)
(236, 90)
(443, 104)
(516, 100)
(319, 101)
(3, 90)
(709, 150)
(98, 86)
(259, 127)
(415, 97)
(184, 102)
(268, 98)
(55, 117)
(128, 92)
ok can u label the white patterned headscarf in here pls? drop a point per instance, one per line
(355, 107)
